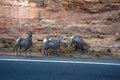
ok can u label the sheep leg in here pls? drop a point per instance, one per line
(52, 52)
(20, 51)
(80, 48)
(26, 52)
(74, 46)
(43, 51)
(30, 52)
(56, 52)
(17, 50)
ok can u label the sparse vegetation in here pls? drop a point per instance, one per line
(67, 17)
(68, 51)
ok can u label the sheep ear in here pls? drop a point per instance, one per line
(27, 32)
(33, 33)
(59, 37)
(30, 33)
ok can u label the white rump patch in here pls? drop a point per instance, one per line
(17, 40)
(71, 38)
(45, 40)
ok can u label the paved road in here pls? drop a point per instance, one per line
(57, 69)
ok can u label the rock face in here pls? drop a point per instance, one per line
(96, 21)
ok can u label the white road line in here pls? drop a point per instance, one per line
(58, 61)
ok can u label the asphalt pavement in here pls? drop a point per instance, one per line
(20, 68)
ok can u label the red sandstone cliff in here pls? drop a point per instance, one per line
(97, 21)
